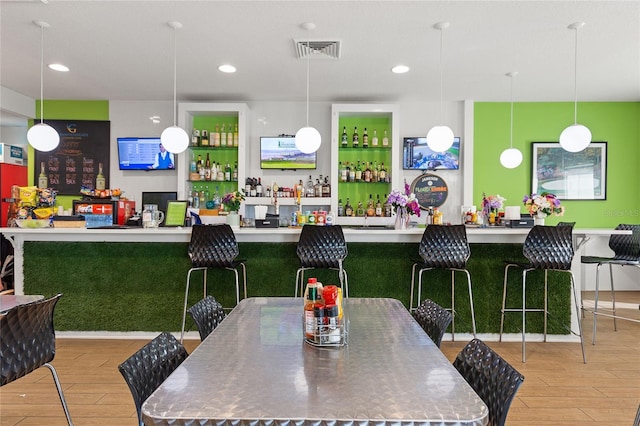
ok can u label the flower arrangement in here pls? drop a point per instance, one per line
(491, 203)
(543, 205)
(407, 199)
(232, 201)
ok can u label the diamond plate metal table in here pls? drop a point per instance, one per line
(255, 369)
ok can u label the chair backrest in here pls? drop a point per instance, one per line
(27, 338)
(494, 379)
(433, 319)
(207, 314)
(571, 224)
(212, 246)
(626, 247)
(445, 246)
(549, 247)
(146, 369)
(321, 246)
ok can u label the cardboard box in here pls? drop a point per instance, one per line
(12, 154)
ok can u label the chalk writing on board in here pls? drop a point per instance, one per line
(430, 190)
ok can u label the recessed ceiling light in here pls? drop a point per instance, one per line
(58, 67)
(400, 69)
(227, 68)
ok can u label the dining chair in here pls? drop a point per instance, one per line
(207, 314)
(433, 319)
(546, 248)
(149, 366)
(322, 247)
(444, 247)
(28, 342)
(626, 249)
(491, 377)
(213, 247)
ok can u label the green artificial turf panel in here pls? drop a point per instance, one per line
(140, 286)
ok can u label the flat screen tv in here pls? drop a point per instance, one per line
(280, 152)
(418, 156)
(144, 154)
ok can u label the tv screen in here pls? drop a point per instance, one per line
(418, 156)
(144, 154)
(280, 152)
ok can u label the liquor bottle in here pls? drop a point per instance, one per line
(229, 136)
(352, 173)
(192, 165)
(371, 209)
(374, 172)
(360, 210)
(259, 188)
(382, 175)
(234, 177)
(355, 140)
(204, 140)
(216, 198)
(317, 188)
(340, 208)
(367, 173)
(195, 137)
(326, 187)
(227, 172)
(201, 171)
(220, 173)
(358, 172)
(365, 138)
(385, 139)
(348, 208)
(348, 171)
(216, 137)
(207, 168)
(344, 174)
(235, 136)
(196, 198)
(190, 198)
(199, 163)
(374, 139)
(345, 139)
(223, 136)
(43, 181)
(378, 207)
(100, 179)
(386, 207)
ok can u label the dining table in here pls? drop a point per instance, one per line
(256, 368)
(9, 301)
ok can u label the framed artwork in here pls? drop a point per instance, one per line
(569, 175)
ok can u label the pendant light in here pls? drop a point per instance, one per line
(41, 136)
(440, 138)
(511, 157)
(308, 139)
(174, 138)
(576, 137)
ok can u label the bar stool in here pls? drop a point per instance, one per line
(547, 248)
(444, 247)
(322, 247)
(211, 247)
(626, 250)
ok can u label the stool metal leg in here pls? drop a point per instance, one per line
(453, 306)
(546, 302)
(504, 299)
(613, 298)
(413, 274)
(595, 304)
(524, 313)
(60, 394)
(473, 316)
(575, 298)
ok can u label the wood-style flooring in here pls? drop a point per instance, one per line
(558, 388)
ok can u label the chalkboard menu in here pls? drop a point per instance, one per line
(83, 151)
(430, 190)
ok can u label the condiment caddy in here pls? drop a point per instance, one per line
(324, 319)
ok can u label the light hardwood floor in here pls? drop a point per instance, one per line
(558, 388)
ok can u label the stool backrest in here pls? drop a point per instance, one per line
(433, 319)
(445, 246)
(212, 246)
(549, 247)
(626, 247)
(207, 314)
(321, 246)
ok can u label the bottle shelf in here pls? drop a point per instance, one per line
(361, 149)
(288, 201)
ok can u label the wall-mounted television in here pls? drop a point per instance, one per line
(418, 156)
(144, 154)
(280, 152)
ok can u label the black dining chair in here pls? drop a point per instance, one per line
(626, 249)
(444, 247)
(28, 342)
(322, 247)
(546, 248)
(207, 314)
(211, 247)
(433, 319)
(146, 369)
(491, 377)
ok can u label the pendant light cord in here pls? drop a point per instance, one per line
(175, 68)
(308, 60)
(41, 73)
(441, 90)
(575, 81)
(511, 125)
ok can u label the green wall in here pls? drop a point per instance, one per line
(617, 123)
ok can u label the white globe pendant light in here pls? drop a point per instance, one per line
(440, 138)
(511, 157)
(576, 137)
(41, 136)
(308, 139)
(174, 138)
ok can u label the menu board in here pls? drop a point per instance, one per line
(83, 151)
(431, 190)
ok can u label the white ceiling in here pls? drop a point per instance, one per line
(123, 50)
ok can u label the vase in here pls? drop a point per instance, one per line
(538, 219)
(402, 218)
(233, 219)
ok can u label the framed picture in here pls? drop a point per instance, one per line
(176, 212)
(569, 175)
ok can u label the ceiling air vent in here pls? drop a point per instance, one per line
(321, 49)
